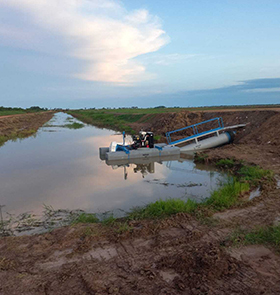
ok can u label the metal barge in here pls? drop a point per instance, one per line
(158, 151)
(143, 145)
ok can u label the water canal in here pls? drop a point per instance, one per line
(60, 167)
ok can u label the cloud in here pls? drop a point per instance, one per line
(247, 86)
(100, 32)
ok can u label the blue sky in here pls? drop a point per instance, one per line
(95, 53)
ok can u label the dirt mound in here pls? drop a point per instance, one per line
(262, 126)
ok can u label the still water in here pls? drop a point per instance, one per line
(61, 167)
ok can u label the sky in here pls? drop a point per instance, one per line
(110, 53)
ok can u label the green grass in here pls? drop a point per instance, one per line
(226, 163)
(265, 235)
(112, 121)
(86, 218)
(254, 174)
(224, 197)
(163, 208)
(11, 112)
(201, 157)
(227, 195)
(118, 226)
(74, 125)
(109, 220)
(245, 173)
(6, 111)
(220, 199)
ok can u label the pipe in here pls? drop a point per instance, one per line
(208, 143)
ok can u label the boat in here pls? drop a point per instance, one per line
(199, 138)
(141, 147)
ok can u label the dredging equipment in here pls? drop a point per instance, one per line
(201, 136)
(216, 136)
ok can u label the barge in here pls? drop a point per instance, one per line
(198, 138)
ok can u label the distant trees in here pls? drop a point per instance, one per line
(36, 109)
(10, 109)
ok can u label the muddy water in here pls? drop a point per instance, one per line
(61, 167)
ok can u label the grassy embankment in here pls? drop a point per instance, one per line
(113, 120)
(6, 111)
(229, 195)
(21, 126)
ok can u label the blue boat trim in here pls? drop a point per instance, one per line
(121, 148)
(158, 147)
(196, 134)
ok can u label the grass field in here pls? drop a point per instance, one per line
(15, 111)
(11, 112)
(109, 120)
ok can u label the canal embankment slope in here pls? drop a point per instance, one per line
(258, 142)
(22, 125)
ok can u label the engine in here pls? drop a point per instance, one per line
(143, 140)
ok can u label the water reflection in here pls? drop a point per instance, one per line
(144, 166)
(63, 169)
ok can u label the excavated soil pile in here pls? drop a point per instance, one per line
(258, 142)
(262, 126)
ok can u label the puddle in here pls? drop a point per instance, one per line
(277, 181)
(62, 169)
(255, 193)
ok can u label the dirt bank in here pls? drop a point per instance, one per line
(178, 255)
(258, 142)
(14, 126)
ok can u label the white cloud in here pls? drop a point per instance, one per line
(100, 32)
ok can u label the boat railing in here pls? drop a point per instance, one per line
(195, 128)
